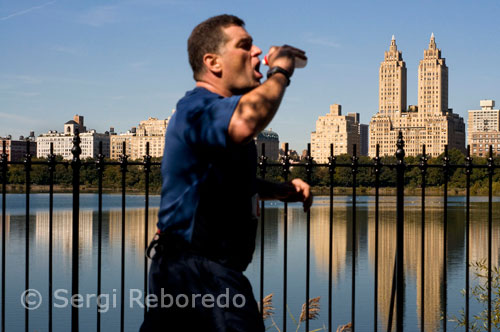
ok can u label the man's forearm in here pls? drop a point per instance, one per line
(257, 108)
(270, 190)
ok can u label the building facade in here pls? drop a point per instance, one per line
(364, 137)
(63, 142)
(272, 143)
(16, 149)
(484, 129)
(150, 131)
(431, 122)
(116, 145)
(334, 128)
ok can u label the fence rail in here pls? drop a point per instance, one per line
(398, 286)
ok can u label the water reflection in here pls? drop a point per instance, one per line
(320, 228)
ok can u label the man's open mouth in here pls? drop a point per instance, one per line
(257, 70)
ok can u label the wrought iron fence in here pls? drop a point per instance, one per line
(376, 166)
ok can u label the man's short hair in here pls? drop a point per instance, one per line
(208, 37)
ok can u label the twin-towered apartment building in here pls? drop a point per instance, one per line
(431, 122)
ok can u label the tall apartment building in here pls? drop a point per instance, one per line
(16, 149)
(150, 131)
(272, 142)
(484, 129)
(116, 144)
(364, 137)
(431, 122)
(63, 142)
(334, 128)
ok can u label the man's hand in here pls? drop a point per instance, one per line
(295, 191)
(284, 57)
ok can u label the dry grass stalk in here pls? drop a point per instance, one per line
(313, 309)
(268, 309)
(345, 328)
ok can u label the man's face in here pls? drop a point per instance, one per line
(240, 61)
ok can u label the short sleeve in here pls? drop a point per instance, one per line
(208, 124)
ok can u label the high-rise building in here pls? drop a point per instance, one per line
(431, 122)
(334, 128)
(63, 142)
(116, 145)
(484, 129)
(272, 144)
(364, 139)
(150, 131)
(392, 82)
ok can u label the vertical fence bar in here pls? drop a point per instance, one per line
(123, 167)
(331, 170)
(423, 171)
(100, 171)
(446, 168)
(490, 229)
(27, 167)
(468, 172)
(377, 169)
(52, 167)
(147, 171)
(309, 168)
(400, 287)
(75, 164)
(286, 170)
(262, 168)
(3, 162)
(354, 170)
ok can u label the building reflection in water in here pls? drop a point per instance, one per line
(111, 231)
(434, 242)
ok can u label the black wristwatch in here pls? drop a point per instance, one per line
(277, 69)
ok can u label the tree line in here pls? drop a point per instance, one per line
(320, 177)
(365, 176)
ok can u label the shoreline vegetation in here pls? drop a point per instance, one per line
(317, 191)
(320, 178)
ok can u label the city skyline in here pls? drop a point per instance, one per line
(122, 62)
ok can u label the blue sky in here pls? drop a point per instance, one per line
(119, 62)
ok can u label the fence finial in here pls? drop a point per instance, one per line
(76, 150)
(263, 161)
(400, 152)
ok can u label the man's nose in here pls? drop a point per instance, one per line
(256, 51)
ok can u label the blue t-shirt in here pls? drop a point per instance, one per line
(208, 190)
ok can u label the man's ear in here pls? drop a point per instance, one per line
(212, 63)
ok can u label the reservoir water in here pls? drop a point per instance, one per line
(273, 258)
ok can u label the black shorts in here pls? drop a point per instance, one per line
(189, 292)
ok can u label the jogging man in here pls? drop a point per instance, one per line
(208, 211)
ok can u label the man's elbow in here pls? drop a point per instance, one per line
(241, 132)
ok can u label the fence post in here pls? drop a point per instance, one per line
(27, 169)
(331, 170)
(147, 170)
(285, 163)
(309, 170)
(3, 163)
(100, 170)
(400, 183)
(75, 165)
(491, 171)
(354, 171)
(377, 168)
(263, 169)
(123, 169)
